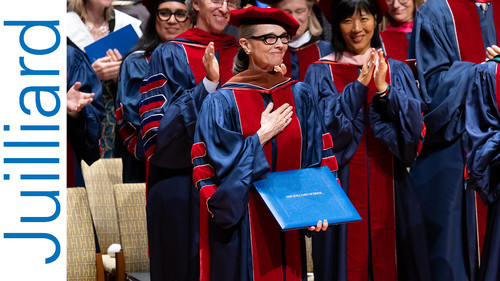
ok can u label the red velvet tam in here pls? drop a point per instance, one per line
(256, 15)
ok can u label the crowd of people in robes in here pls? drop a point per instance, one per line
(396, 97)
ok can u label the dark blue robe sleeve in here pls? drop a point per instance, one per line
(483, 127)
(236, 161)
(341, 112)
(85, 131)
(128, 96)
(396, 119)
(170, 101)
(443, 78)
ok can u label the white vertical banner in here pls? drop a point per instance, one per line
(32, 140)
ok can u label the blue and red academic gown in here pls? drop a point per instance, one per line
(239, 238)
(171, 96)
(84, 132)
(297, 60)
(128, 96)
(374, 140)
(449, 39)
(395, 40)
(483, 127)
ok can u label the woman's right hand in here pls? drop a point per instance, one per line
(106, 68)
(493, 51)
(273, 123)
(366, 74)
(211, 64)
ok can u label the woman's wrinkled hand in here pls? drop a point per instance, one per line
(273, 123)
(280, 68)
(322, 225)
(492, 51)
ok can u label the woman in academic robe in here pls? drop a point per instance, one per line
(306, 46)
(259, 121)
(371, 106)
(85, 113)
(168, 19)
(181, 73)
(482, 123)
(451, 41)
(87, 22)
(397, 26)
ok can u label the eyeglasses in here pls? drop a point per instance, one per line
(165, 15)
(232, 4)
(400, 1)
(271, 39)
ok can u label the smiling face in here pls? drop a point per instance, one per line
(263, 56)
(299, 10)
(211, 17)
(169, 29)
(357, 31)
(401, 13)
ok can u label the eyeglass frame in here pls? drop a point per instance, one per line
(271, 35)
(172, 13)
(402, 2)
(227, 1)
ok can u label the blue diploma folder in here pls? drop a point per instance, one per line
(123, 39)
(300, 198)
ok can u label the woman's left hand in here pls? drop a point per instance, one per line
(380, 72)
(320, 226)
(280, 68)
(493, 51)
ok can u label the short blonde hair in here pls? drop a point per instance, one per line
(313, 24)
(78, 6)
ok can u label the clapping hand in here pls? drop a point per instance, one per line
(107, 67)
(76, 100)
(211, 64)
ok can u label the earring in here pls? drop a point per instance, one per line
(247, 51)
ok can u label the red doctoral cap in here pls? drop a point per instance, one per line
(257, 15)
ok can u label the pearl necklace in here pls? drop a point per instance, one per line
(98, 32)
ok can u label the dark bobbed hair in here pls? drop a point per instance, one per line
(150, 39)
(343, 9)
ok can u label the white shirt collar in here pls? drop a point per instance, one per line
(299, 42)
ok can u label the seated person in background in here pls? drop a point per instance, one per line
(306, 46)
(397, 26)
